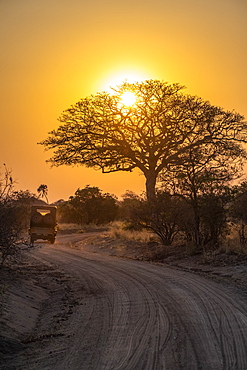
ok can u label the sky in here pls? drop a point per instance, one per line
(55, 52)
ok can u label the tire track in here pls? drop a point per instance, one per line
(142, 316)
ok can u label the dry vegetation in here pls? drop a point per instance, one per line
(145, 245)
(227, 263)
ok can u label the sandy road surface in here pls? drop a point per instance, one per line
(130, 315)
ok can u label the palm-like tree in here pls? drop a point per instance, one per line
(43, 192)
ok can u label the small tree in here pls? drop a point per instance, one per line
(6, 183)
(164, 222)
(89, 205)
(66, 213)
(202, 180)
(214, 215)
(11, 220)
(23, 200)
(165, 218)
(129, 210)
(10, 232)
(238, 210)
(43, 192)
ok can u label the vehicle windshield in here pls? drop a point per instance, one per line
(43, 212)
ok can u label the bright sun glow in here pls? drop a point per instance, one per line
(119, 77)
(128, 98)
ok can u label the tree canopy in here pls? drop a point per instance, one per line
(43, 192)
(155, 132)
(89, 205)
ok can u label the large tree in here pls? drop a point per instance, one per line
(101, 132)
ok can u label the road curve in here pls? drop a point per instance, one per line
(134, 315)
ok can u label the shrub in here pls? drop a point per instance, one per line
(11, 239)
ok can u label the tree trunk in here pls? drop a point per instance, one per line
(151, 198)
(242, 234)
(197, 231)
(150, 188)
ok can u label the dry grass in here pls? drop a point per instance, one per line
(232, 244)
(75, 228)
(117, 231)
(145, 245)
(68, 227)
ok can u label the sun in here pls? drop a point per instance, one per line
(128, 98)
(118, 77)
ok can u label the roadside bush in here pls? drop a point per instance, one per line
(163, 218)
(22, 202)
(11, 239)
(88, 206)
(14, 216)
(233, 243)
(118, 231)
(238, 212)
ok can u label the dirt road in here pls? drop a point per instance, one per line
(110, 313)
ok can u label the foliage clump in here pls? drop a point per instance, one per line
(14, 217)
(88, 206)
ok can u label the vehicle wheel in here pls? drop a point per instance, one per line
(36, 218)
(48, 220)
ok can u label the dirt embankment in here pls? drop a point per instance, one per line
(31, 290)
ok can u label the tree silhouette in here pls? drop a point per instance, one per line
(156, 132)
(43, 192)
(90, 205)
(203, 179)
(6, 183)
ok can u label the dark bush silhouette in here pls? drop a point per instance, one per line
(89, 206)
(14, 217)
(164, 220)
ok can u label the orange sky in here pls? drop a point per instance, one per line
(54, 52)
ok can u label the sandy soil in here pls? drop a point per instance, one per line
(74, 306)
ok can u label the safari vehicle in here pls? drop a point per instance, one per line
(43, 224)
